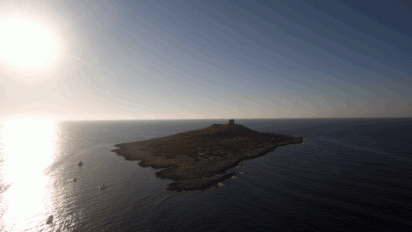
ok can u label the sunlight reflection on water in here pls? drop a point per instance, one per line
(28, 149)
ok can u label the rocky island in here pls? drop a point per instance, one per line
(199, 159)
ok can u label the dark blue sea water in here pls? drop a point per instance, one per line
(350, 175)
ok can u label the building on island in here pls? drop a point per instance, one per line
(231, 122)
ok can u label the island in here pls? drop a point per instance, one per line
(199, 159)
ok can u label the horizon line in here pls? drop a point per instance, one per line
(197, 119)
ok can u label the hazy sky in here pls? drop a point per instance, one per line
(166, 59)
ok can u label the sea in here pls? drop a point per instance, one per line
(349, 175)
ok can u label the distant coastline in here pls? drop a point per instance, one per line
(199, 159)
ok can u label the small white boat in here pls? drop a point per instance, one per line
(101, 187)
(220, 184)
(49, 219)
(80, 163)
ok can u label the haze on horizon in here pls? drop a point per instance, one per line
(158, 59)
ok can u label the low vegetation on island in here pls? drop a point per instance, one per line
(199, 159)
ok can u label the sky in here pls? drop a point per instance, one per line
(168, 59)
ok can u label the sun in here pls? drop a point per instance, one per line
(25, 43)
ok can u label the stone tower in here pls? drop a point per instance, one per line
(231, 122)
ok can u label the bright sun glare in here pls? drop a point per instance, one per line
(28, 149)
(25, 43)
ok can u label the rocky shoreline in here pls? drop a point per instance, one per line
(199, 159)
